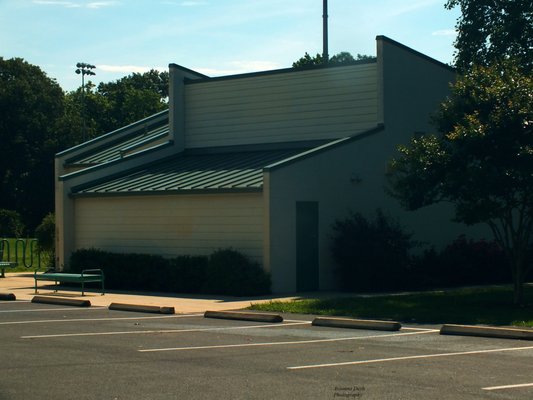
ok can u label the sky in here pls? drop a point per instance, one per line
(214, 37)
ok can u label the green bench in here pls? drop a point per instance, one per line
(3, 265)
(87, 275)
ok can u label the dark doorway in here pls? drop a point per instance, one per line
(307, 275)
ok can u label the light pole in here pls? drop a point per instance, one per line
(325, 53)
(84, 69)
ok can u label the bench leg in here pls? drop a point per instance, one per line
(35, 286)
(82, 289)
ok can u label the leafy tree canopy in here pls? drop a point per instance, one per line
(493, 30)
(112, 105)
(343, 57)
(30, 105)
(482, 162)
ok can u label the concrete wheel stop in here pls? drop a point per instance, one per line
(244, 316)
(357, 324)
(7, 297)
(61, 301)
(141, 308)
(487, 331)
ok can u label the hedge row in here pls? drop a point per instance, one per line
(377, 254)
(225, 272)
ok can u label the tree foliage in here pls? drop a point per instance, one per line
(11, 224)
(343, 57)
(30, 105)
(37, 120)
(372, 254)
(493, 30)
(133, 97)
(482, 162)
(112, 105)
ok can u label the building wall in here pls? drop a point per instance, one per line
(345, 179)
(171, 225)
(350, 177)
(281, 107)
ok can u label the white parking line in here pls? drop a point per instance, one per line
(296, 342)
(383, 360)
(521, 385)
(159, 331)
(97, 319)
(55, 309)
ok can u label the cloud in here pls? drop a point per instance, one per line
(68, 4)
(186, 3)
(193, 3)
(128, 68)
(100, 4)
(72, 4)
(444, 32)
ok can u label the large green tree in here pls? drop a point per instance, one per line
(493, 30)
(482, 161)
(132, 98)
(112, 105)
(30, 105)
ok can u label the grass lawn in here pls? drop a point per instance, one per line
(490, 306)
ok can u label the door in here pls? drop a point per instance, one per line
(307, 278)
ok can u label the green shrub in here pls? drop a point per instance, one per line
(11, 224)
(230, 272)
(468, 262)
(45, 234)
(183, 274)
(188, 273)
(225, 272)
(372, 255)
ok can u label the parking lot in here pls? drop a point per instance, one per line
(58, 352)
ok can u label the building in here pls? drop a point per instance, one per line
(262, 162)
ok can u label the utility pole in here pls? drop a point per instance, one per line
(84, 69)
(325, 54)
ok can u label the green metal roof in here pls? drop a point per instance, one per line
(139, 138)
(189, 172)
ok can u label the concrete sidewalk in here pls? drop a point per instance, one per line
(22, 285)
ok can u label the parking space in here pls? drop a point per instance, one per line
(62, 352)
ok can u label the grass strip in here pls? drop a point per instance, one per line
(490, 306)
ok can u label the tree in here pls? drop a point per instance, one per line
(482, 162)
(30, 105)
(10, 224)
(343, 57)
(112, 105)
(493, 30)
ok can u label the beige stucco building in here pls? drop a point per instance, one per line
(262, 162)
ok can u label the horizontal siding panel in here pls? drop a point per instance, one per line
(308, 92)
(332, 109)
(316, 104)
(171, 225)
(360, 72)
(281, 135)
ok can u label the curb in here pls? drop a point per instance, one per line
(141, 308)
(7, 297)
(244, 316)
(357, 324)
(61, 301)
(486, 331)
